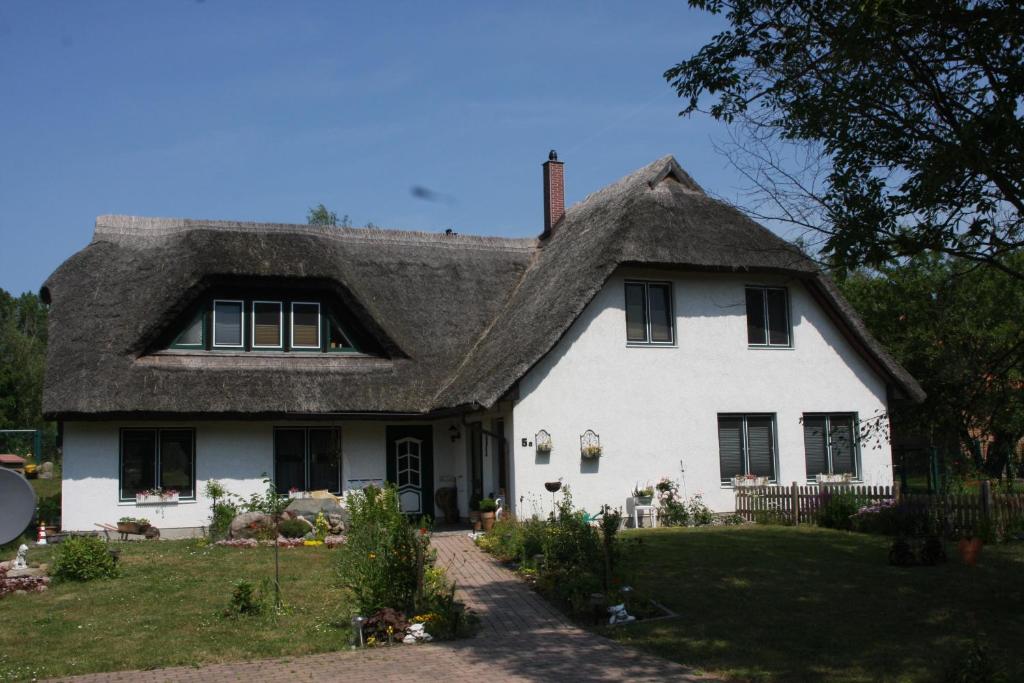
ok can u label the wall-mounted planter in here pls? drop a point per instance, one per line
(833, 478)
(156, 498)
(542, 441)
(590, 445)
(749, 482)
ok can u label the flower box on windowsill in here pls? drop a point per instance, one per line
(750, 482)
(834, 479)
(301, 495)
(156, 498)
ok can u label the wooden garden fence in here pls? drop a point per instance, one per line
(800, 503)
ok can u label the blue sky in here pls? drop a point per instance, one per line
(258, 110)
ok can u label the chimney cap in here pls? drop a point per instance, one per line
(552, 155)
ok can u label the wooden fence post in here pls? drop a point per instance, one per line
(795, 493)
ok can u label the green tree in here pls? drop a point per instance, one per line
(889, 127)
(22, 361)
(321, 215)
(960, 331)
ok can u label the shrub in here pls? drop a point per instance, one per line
(49, 509)
(488, 505)
(836, 510)
(381, 562)
(223, 514)
(700, 513)
(672, 511)
(83, 558)
(246, 600)
(293, 528)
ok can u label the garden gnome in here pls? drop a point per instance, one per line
(619, 615)
(19, 561)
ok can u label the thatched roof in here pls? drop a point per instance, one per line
(446, 311)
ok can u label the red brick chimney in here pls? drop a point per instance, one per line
(554, 192)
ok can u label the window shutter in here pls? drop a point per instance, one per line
(815, 446)
(756, 327)
(730, 447)
(306, 326)
(841, 439)
(636, 313)
(761, 446)
(778, 317)
(661, 313)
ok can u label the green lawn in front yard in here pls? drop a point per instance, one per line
(809, 604)
(165, 610)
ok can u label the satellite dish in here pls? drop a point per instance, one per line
(17, 505)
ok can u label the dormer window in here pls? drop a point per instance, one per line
(228, 324)
(305, 326)
(270, 324)
(267, 325)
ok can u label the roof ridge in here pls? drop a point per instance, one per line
(120, 227)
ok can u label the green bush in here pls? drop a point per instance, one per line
(700, 513)
(836, 510)
(83, 558)
(672, 510)
(246, 600)
(49, 509)
(293, 528)
(381, 562)
(220, 522)
(488, 505)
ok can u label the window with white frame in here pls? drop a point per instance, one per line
(305, 325)
(649, 313)
(228, 324)
(830, 444)
(768, 317)
(267, 325)
(746, 446)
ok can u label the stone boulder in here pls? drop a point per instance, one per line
(308, 509)
(251, 525)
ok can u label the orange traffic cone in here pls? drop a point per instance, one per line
(41, 540)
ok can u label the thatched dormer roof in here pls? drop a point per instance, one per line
(459, 318)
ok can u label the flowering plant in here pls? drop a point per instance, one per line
(593, 451)
(157, 492)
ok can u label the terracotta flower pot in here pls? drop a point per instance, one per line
(487, 520)
(970, 550)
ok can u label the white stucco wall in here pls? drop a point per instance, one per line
(656, 408)
(234, 453)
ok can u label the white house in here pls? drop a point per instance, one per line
(684, 339)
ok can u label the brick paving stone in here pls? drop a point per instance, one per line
(522, 638)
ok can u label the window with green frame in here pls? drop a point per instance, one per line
(266, 324)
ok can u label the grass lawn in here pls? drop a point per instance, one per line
(796, 604)
(165, 610)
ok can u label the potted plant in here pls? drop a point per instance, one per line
(744, 480)
(592, 451)
(132, 525)
(644, 495)
(474, 511)
(845, 478)
(970, 549)
(488, 507)
(156, 496)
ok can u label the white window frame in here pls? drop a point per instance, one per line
(319, 326)
(280, 325)
(648, 341)
(241, 303)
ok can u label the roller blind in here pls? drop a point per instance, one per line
(730, 446)
(306, 325)
(266, 324)
(227, 323)
(661, 313)
(636, 313)
(761, 446)
(756, 325)
(841, 439)
(815, 446)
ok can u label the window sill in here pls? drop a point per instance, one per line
(765, 347)
(651, 345)
(131, 502)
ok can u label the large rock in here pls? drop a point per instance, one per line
(251, 525)
(309, 508)
(26, 573)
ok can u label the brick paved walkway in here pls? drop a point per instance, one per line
(522, 639)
